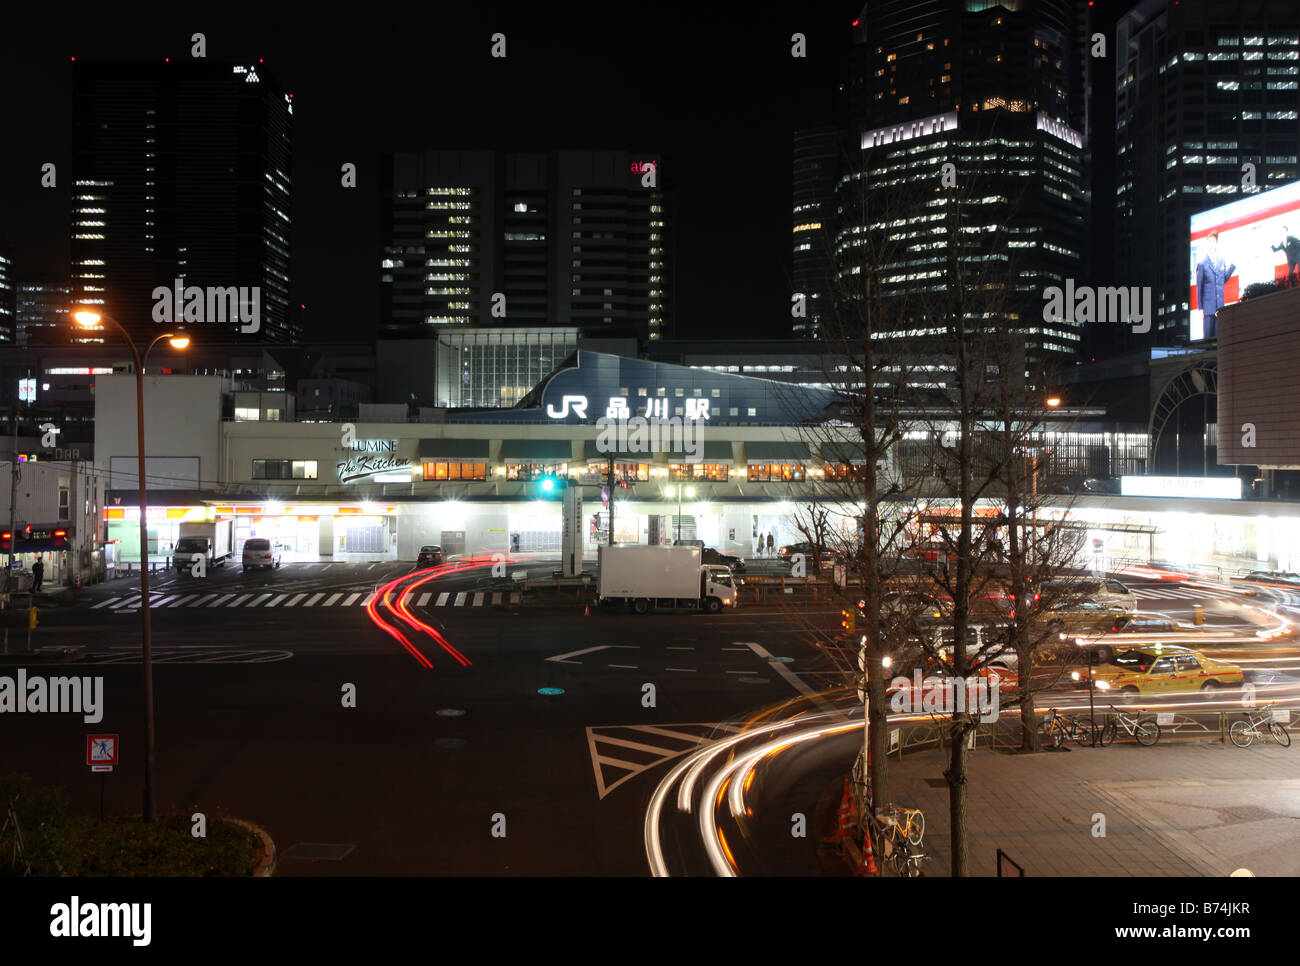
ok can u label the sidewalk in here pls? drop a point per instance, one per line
(1200, 809)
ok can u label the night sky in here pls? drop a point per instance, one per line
(716, 92)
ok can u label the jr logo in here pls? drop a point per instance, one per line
(577, 403)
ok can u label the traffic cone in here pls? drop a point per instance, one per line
(867, 865)
(586, 611)
(846, 812)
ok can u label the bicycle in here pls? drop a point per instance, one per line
(1145, 730)
(1061, 726)
(900, 833)
(1244, 732)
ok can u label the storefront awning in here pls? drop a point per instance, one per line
(454, 449)
(843, 451)
(715, 451)
(777, 452)
(538, 450)
(623, 456)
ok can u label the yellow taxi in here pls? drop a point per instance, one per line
(1163, 669)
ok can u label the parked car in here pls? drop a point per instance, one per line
(430, 556)
(1164, 669)
(809, 551)
(712, 556)
(261, 552)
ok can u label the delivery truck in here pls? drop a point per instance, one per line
(215, 540)
(645, 577)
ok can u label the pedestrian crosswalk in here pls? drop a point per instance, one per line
(1173, 593)
(163, 600)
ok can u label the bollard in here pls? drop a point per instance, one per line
(1198, 614)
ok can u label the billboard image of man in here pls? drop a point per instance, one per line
(1212, 273)
(1291, 246)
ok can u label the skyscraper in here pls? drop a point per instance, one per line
(1202, 90)
(570, 238)
(8, 299)
(997, 91)
(43, 312)
(181, 172)
(813, 222)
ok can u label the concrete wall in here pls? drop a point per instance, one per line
(182, 419)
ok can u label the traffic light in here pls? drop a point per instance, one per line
(551, 486)
(849, 622)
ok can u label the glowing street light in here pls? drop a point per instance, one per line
(90, 319)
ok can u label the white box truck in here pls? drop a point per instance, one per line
(214, 540)
(643, 577)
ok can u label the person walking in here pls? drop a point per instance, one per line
(38, 575)
(770, 544)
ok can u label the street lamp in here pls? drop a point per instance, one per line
(690, 492)
(90, 319)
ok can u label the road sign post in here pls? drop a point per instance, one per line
(101, 756)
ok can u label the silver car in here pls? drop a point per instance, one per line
(261, 552)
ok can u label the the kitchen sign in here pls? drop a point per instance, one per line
(363, 467)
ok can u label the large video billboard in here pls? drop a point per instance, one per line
(1256, 239)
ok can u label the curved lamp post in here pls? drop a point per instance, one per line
(91, 319)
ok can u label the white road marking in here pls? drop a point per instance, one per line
(496, 597)
(203, 600)
(295, 600)
(630, 667)
(564, 658)
(260, 599)
(478, 599)
(691, 669)
(351, 599)
(442, 600)
(218, 602)
(312, 601)
(277, 600)
(239, 600)
(795, 681)
(106, 603)
(424, 599)
(460, 599)
(329, 602)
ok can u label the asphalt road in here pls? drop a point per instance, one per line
(250, 672)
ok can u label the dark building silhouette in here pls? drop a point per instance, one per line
(182, 171)
(569, 238)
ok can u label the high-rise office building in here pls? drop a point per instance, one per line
(8, 299)
(569, 238)
(1202, 89)
(997, 90)
(813, 224)
(181, 173)
(43, 312)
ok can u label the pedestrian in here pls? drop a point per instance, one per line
(770, 544)
(38, 574)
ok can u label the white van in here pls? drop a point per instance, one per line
(1104, 590)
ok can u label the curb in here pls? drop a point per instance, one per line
(266, 863)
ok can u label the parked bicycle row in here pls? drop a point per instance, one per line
(1144, 726)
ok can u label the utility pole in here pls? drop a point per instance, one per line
(611, 499)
